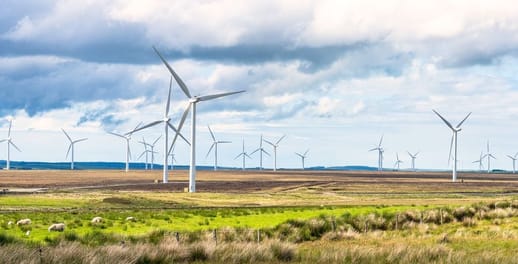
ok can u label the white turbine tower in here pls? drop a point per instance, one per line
(480, 161)
(398, 161)
(380, 154)
(167, 124)
(71, 147)
(514, 161)
(127, 137)
(215, 146)
(303, 157)
(193, 101)
(261, 151)
(413, 157)
(10, 143)
(489, 157)
(244, 155)
(453, 143)
(275, 151)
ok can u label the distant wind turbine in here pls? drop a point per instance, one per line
(453, 143)
(193, 101)
(127, 137)
(489, 156)
(71, 147)
(480, 161)
(10, 143)
(380, 154)
(173, 160)
(398, 161)
(302, 157)
(275, 150)
(151, 149)
(413, 157)
(261, 151)
(244, 155)
(514, 161)
(215, 147)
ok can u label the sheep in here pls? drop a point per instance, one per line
(131, 219)
(28, 233)
(97, 220)
(10, 223)
(25, 221)
(57, 227)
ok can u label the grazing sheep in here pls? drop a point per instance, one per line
(130, 219)
(57, 227)
(10, 223)
(28, 233)
(97, 220)
(25, 221)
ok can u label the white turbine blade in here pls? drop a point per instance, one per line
(79, 140)
(484, 156)
(211, 147)
(168, 104)
(156, 140)
(224, 142)
(476, 161)
(248, 156)
(118, 135)
(491, 155)
(2, 140)
(409, 154)
(239, 155)
(10, 125)
(306, 153)
(211, 134)
(373, 149)
(265, 152)
(269, 142)
(415, 155)
(68, 151)
(279, 141)
(255, 151)
(443, 119)
(214, 96)
(146, 126)
(137, 126)
(145, 151)
(66, 135)
(451, 146)
(178, 133)
(300, 155)
(460, 124)
(12, 143)
(510, 157)
(515, 154)
(176, 77)
(381, 140)
(184, 116)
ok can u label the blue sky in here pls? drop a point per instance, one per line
(332, 75)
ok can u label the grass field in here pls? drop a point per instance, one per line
(313, 216)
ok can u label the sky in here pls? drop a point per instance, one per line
(333, 76)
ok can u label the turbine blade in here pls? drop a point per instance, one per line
(168, 104)
(12, 143)
(144, 152)
(451, 145)
(409, 154)
(139, 124)
(214, 96)
(373, 149)
(510, 157)
(279, 141)
(491, 155)
(178, 133)
(211, 134)
(255, 151)
(68, 151)
(224, 142)
(66, 135)
(460, 124)
(176, 77)
(269, 142)
(211, 147)
(146, 126)
(305, 153)
(10, 125)
(265, 152)
(79, 140)
(415, 155)
(238, 156)
(2, 140)
(248, 156)
(300, 155)
(156, 140)
(443, 119)
(381, 140)
(118, 135)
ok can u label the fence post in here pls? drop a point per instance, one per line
(440, 213)
(177, 237)
(397, 221)
(258, 235)
(421, 218)
(215, 236)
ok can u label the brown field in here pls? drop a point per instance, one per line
(387, 182)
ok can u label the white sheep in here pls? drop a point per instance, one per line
(57, 227)
(28, 233)
(10, 223)
(25, 221)
(130, 219)
(97, 220)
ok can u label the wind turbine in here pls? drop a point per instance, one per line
(302, 157)
(480, 161)
(275, 150)
(151, 150)
(71, 147)
(514, 161)
(380, 154)
(398, 161)
(173, 160)
(127, 137)
(261, 151)
(244, 155)
(455, 130)
(167, 124)
(413, 157)
(489, 156)
(215, 146)
(193, 101)
(10, 142)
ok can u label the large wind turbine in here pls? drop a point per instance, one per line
(244, 155)
(167, 124)
(127, 137)
(380, 154)
(215, 146)
(193, 101)
(480, 161)
(455, 130)
(71, 147)
(514, 161)
(413, 157)
(275, 150)
(261, 151)
(398, 161)
(489, 156)
(10, 142)
(302, 157)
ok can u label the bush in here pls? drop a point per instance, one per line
(282, 251)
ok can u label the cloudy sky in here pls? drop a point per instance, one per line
(334, 76)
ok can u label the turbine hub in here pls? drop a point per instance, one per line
(194, 99)
(166, 119)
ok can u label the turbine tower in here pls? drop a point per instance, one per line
(453, 143)
(244, 155)
(302, 157)
(71, 147)
(380, 154)
(514, 161)
(480, 161)
(215, 146)
(413, 157)
(10, 143)
(127, 137)
(398, 161)
(193, 101)
(261, 151)
(489, 156)
(275, 150)
(167, 124)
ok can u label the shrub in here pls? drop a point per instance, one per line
(283, 251)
